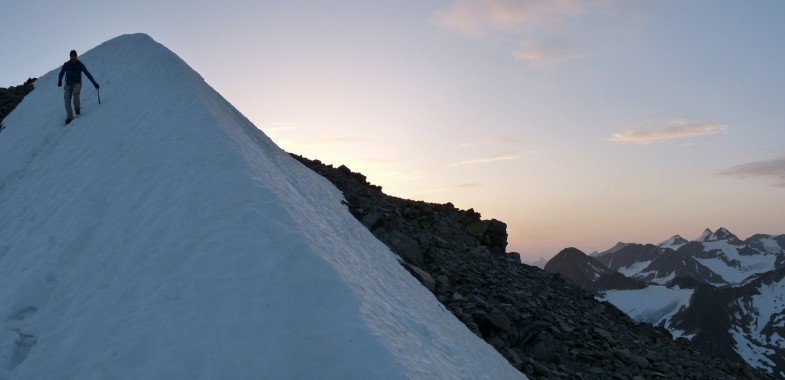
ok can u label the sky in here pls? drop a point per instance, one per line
(579, 123)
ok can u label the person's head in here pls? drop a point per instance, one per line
(73, 55)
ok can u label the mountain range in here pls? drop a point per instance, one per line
(724, 294)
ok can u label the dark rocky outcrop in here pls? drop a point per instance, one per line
(10, 97)
(543, 324)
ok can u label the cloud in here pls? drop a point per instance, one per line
(541, 54)
(478, 17)
(508, 141)
(540, 27)
(772, 170)
(674, 130)
(501, 140)
(487, 159)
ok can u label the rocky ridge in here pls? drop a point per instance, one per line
(10, 97)
(544, 325)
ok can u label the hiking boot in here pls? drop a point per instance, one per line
(77, 111)
(68, 120)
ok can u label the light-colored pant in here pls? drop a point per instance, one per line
(72, 90)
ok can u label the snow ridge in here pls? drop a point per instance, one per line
(161, 235)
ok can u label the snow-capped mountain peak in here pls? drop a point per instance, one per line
(674, 242)
(705, 236)
(724, 294)
(161, 235)
(723, 234)
(618, 246)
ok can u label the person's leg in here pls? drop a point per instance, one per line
(77, 103)
(69, 90)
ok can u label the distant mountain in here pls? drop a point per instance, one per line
(675, 242)
(716, 258)
(725, 294)
(745, 322)
(589, 273)
(540, 263)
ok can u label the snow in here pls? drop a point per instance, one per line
(751, 352)
(654, 279)
(161, 235)
(767, 309)
(674, 242)
(635, 268)
(598, 271)
(705, 236)
(748, 265)
(661, 303)
(771, 245)
(664, 280)
(616, 248)
(770, 305)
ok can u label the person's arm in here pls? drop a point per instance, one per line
(84, 69)
(60, 77)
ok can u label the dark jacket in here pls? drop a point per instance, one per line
(73, 73)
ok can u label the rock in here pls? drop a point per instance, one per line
(370, 219)
(495, 236)
(12, 96)
(499, 321)
(640, 361)
(596, 371)
(406, 247)
(422, 276)
(496, 342)
(603, 333)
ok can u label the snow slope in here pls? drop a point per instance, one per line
(661, 303)
(162, 236)
(734, 267)
(758, 340)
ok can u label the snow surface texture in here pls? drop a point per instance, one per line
(162, 236)
(661, 303)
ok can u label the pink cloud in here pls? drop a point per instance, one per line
(675, 130)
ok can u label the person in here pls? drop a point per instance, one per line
(73, 84)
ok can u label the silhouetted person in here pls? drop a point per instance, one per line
(73, 83)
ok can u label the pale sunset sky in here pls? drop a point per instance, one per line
(577, 122)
